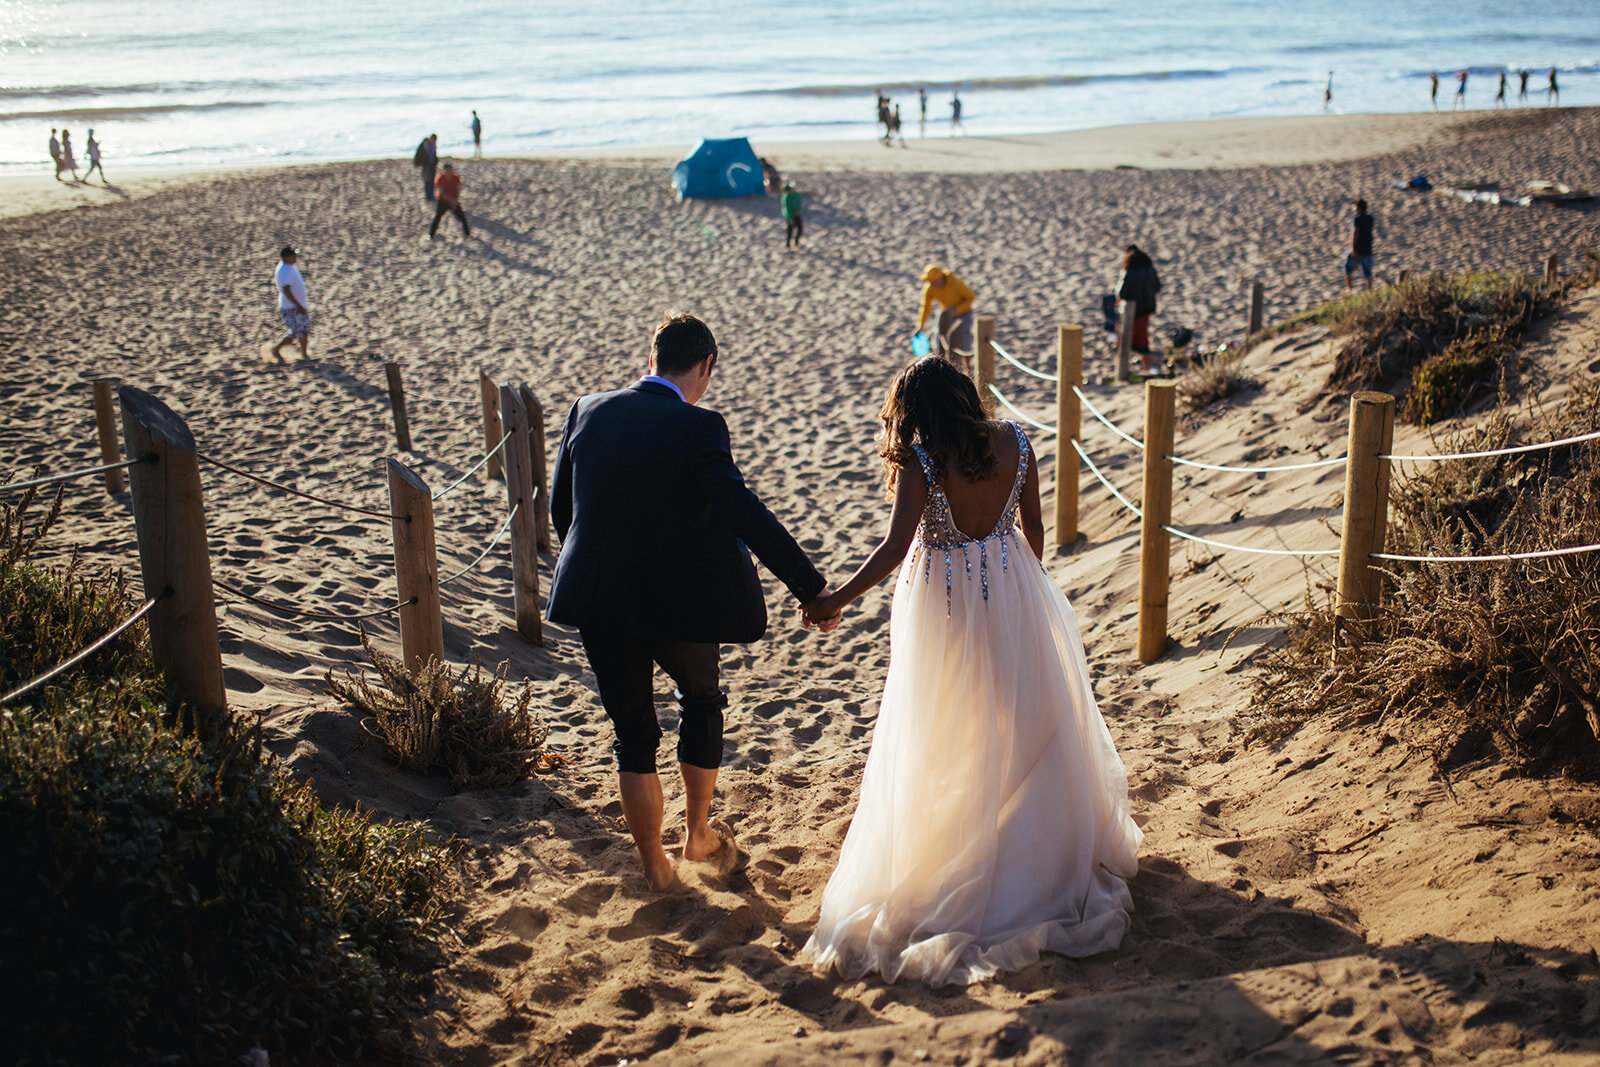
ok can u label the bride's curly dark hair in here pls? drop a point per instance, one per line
(932, 403)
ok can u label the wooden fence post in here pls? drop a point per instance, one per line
(1552, 269)
(519, 495)
(105, 421)
(540, 470)
(416, 566)
(1125, 342)
(1258, 294)
(1155, 543)
(489, 394)
(397, 404)
(983, 363)
(1069, 374)
(1366, 507)
(174, 559)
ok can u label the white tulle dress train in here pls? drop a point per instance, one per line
(993, 820)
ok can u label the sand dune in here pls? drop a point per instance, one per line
(1459, 927)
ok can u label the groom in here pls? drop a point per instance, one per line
(654, 519)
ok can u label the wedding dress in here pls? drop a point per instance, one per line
(993, 820)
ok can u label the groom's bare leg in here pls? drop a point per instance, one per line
(642, 804)
(699, 786)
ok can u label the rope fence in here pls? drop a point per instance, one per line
(1510, 451)
(337, 504)
(1019, 413)
(480, 557)
(35, 483)
(1493, 558)
(1023, 367)
(476, 467)
(78, 657)
(289, 611)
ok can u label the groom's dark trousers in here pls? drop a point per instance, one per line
(655, 519)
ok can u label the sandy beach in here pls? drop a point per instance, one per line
(1327, 900)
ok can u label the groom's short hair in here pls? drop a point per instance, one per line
(680, 341)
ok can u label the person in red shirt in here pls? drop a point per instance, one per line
(447, 191)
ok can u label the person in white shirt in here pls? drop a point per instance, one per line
(292, 306)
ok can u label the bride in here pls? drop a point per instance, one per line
(993, 821)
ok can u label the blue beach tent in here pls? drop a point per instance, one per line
(724, 167)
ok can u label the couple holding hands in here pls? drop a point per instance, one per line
(993, 818)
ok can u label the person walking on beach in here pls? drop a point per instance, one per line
(55, 152)
(953, 328)
(1433, 89)
(955, 115)
(993, 820)
(1500, 94)
(922, 103)
(792, 224)
(293, 308)
(1552, 96)
(894, 126)
(427, 158)
(883, 113)
(477, 135)
(1327, 93)
(1522, 86)
(447, 190)
(655, 519)
(1360, 254)
(67, 162)
(1140, 283)
(1460, 99)
(93, 148)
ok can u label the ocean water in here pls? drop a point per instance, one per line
(227, 82)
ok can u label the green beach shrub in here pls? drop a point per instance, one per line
(175, 897)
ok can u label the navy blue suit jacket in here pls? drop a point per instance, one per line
(655, 518)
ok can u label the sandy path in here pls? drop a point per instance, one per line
(564, 954)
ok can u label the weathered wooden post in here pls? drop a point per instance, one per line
(1125, 341)
(416, 566)
(1155, 544)
(540, 470)
(105, 420)
(983, 363)
(1069, 375)
(397, 404)
(1258, 295)
(174, 559)
(519, 496)
(1366, 507)
(489, 394)
(1552, 270)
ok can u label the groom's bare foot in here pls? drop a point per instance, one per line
(658, 870)
(713, 844)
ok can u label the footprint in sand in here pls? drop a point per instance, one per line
(648, 920)
(522, 921)
(587, 900)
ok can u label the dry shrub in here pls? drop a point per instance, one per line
(1215, 376)
(1388, 333)
(1470, 369)
(434, 720)
(1471, 659)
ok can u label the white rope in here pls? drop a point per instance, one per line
(1488, 559)
(1023, 367)
(1018, 412)
(1255, 470)
(1109, 487)
(1501, 452)
(1245, 548)
(1113, 427)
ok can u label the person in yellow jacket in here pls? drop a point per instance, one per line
(954, 325)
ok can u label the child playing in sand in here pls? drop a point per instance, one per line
(792, 223)
(954, 327)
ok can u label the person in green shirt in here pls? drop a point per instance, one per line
(792, 224)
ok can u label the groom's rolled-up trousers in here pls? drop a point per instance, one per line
(624, 666)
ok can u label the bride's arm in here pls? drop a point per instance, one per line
(1031, 517)
(910, 495)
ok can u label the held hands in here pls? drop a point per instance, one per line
(825, 613)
